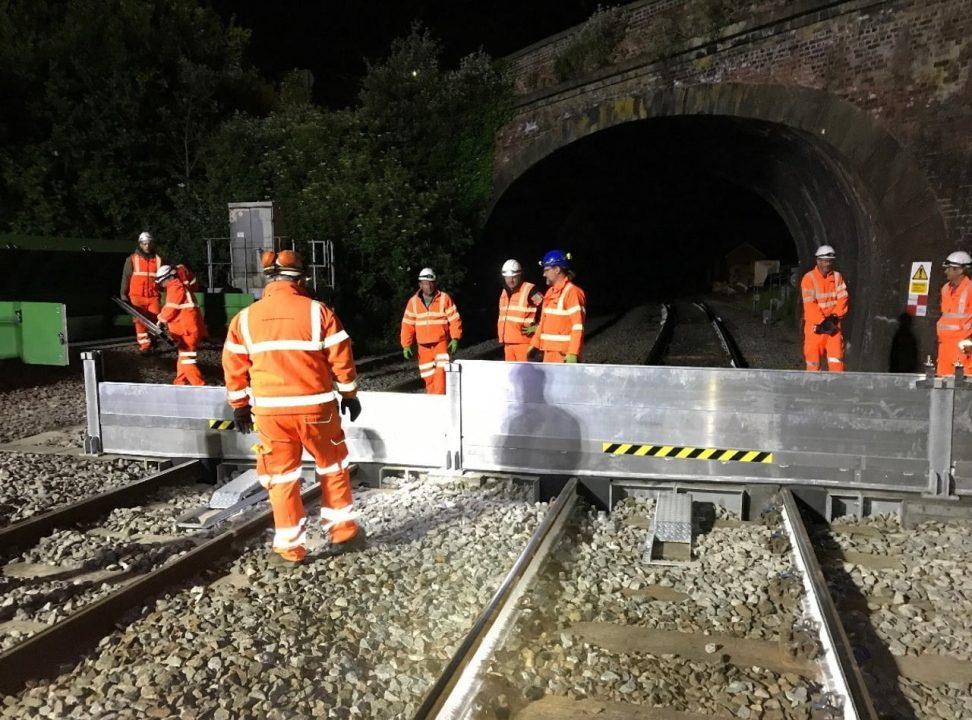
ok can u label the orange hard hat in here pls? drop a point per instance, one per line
(285, 262)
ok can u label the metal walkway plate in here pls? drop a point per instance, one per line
(673, 518)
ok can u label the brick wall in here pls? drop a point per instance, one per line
(906, 63)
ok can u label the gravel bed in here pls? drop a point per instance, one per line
(80, 566)
(919, 605)
(627, 341)
(600, 576)
(32, 484)
(357, 635)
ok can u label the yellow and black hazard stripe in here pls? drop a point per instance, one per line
(687, 453)
(222, 425)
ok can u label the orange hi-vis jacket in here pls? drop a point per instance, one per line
(516, 310)
(956, 320)
(428, 325)
(823, 296)
(142, 282)
(282, 351)
(561, 326)
(181, 311)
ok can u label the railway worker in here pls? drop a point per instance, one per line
(287, 362)
(431, 321)
(518, 303)
(560, 333)
(138, 287)
(183, 319)
(954, 327)
(825, 305)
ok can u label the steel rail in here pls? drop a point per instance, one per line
(664, 336)
(841, 668)
(42, 655)
(28, 532)
(728, 343)
(456, 686)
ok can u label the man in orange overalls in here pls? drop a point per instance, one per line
(518, 303)
(560, 334)
(954, 327)
(138, 286)
(288, 358)
(825, 305)
(432, 321)
(183, 319)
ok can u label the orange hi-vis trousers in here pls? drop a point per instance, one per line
(187, 371)
(432, 361)
(555, 356)
(949, 354)
(516, 352)
(151, 307)
(823, 349)
(282, 440)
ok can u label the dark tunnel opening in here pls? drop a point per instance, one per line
(649, 210)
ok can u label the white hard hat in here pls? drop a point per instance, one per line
(145, 237)
(511, 268)
(427, 274)
(163, 272)
(825, 251)
(959, 259)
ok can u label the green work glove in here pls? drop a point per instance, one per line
(407, 353)
(529, 330)
(569, 358)
(453, 346)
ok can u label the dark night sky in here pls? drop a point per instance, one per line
(332, 38)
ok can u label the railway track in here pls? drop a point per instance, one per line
(691, 334)
(81, 567)
(584, 626)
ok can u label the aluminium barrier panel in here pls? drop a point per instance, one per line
(185, 421)
(961, 448)
(865, 430)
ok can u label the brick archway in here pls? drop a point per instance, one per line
(831, 172)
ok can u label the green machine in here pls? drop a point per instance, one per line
(35, 332)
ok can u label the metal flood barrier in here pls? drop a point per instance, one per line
(868, 431)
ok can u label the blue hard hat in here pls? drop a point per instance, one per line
(555, 258)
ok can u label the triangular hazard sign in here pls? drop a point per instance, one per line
(920, 273)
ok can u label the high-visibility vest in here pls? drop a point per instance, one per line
(181, 311)
(282, 351)
(429, 325)
(142, 282)
(956, 320)
(823, 296)
(515, 311)
(561, 327)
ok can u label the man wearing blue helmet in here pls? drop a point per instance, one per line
(560, 333)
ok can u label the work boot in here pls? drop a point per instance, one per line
(356, 544)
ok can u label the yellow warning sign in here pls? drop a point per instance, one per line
(920, 273)
(918, 288)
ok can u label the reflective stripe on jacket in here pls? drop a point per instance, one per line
(435, 323)
(561, 327)
(956, 320)
(823, 296)
(142, 281)
(516, 310)
(181, 311)
(282, 351)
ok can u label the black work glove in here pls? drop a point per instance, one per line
(351, 406)
(827, 327)
(243, 418)
(534, 355)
